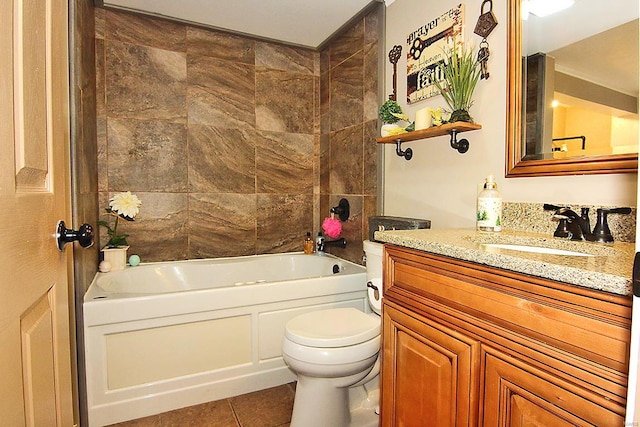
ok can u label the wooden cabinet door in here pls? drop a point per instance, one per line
(518, 395)
(429, 373)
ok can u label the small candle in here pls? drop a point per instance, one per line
(423, 118)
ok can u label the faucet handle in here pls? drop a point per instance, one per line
(601, 232)
(550, 207)
(616, 210)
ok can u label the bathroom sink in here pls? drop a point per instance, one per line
(535, 249)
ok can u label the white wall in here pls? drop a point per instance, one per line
(439, 183)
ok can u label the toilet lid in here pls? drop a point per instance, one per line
(336, 327)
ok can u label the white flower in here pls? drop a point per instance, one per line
(126, 204)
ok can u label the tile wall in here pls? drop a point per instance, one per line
(348, 155)
(234, 145)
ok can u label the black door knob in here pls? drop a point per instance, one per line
(84, 235)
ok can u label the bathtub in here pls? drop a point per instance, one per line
(162, 336)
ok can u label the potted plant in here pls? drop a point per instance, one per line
(461, 73)
(126, 206)
(390, 114)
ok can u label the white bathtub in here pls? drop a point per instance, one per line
(162, 336)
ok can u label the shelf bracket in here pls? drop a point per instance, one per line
(462, 145)
(407, 154)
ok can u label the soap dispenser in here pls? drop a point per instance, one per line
(308, 244)
(489, 213)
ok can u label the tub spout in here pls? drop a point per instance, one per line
(341, 243)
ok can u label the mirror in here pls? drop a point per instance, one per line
(572, 106)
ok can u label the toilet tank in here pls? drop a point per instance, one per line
(373, 252)
(381, 223)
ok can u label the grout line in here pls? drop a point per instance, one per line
(235, 414)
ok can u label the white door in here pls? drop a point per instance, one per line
(35, 356)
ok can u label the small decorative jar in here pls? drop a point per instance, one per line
(117, 257)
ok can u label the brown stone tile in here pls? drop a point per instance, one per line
(325, 103)
(221, 160)
(316, 63)
(370, 157)
(103, 201)
(283, 222)
(159, 232)
(86, 260)
(351, 229)
(325, 206)
(99, 16)
(347, 91)
(284, 163)
(101, 88)
(346, 176)
(145, 30)
(87, 147)
(284, 101)
(146, 155)
(316, 104)
(265, 408)
(102, 166)
(221, 45)
(212, 414)
(316, 216)
(316, 163)
(222, 225)
(371, 105)
(325, 65)
(221, 93)
(145, 82)
(325, 163)
(369, 209)
(347, 44)
(373, 25)
(285, 58)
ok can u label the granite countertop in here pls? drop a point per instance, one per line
(608, 269)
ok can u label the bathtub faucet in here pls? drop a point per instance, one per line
(341, 243)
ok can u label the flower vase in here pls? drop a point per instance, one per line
(117, 257)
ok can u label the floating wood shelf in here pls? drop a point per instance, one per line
(452, 129)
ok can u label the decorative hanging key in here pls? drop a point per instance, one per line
(486, 22)
(394, 56)
(483, 57)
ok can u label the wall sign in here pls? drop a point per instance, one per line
(425, 51)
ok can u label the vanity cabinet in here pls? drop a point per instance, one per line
(466, 344)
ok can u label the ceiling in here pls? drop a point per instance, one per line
(609, 58)
(594, 40)
(305, 23)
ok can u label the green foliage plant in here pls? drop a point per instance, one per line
(461, 73)
(388, 112)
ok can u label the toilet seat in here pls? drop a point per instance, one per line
(332, 328)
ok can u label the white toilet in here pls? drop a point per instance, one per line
(335, 353)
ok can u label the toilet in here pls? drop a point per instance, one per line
(335, 355)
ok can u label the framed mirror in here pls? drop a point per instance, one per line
(572, 104)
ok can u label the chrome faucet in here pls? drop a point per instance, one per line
(341, 243)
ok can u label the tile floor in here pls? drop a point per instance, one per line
(265, 408)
